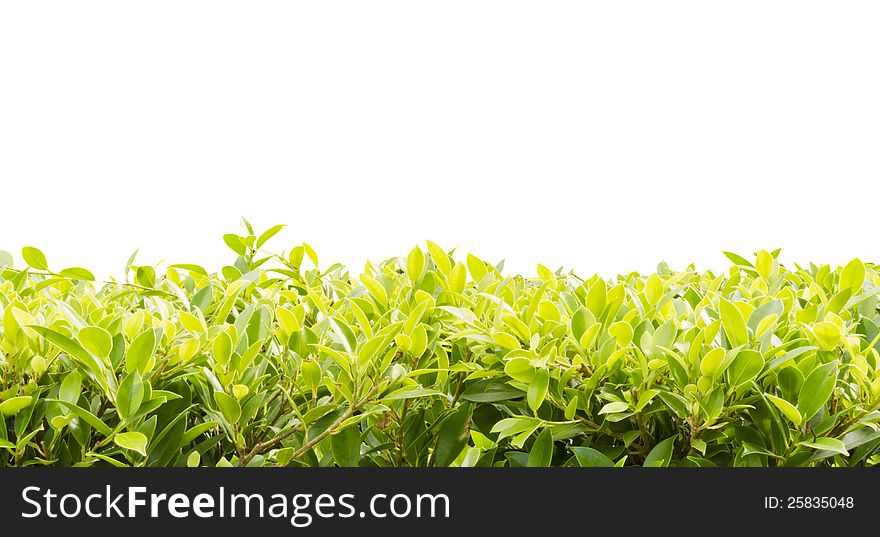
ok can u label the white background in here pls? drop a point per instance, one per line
(602, 136)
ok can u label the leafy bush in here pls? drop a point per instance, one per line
(427, 361)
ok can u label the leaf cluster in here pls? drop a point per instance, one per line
(431, 359)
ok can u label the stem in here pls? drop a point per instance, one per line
(262, 446)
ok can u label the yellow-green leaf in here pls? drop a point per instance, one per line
(34, 258)
(787, 408)
(415, 263)
(15, 404)
(733, 323)
(852, 276)
(96, 340)
(133, 441)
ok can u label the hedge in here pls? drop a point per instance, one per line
(435, 359)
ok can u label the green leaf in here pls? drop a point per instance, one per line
(538, 389)
(410, 392)
(193, 460)
(653, 289)
(745, 367)
(240, 391)
(86, 416)
(235, 244)
(596, 298)
(457, 278)
(764, 264)
(78, 273)
(520, 369)
(197, 430)
(827, 334)
(733, 323)
(34, 258)
(711, 363)
(541, 453)
(588, 457)
(439, 257)
(489, 391)
(228, 406)
(476, 267)
(827, 444)
(96, 340)
(71, 387)
(452, 436)
(140, 352)
(580, 321)
(505, 340)
(221, 349)
(14, 405)
(614, 408)
(787, 408)
(72, 348)
(415, 263)
(661, 454)
(738, 259)
(146, 276)
(202, 299)
(133, 441)
(852, 276)
(346, 446)
(817, 389)
(129, 395)
(375, 289)
(515, 426)
(268, 234)
(311, 373)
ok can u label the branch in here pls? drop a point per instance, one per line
(332, 428)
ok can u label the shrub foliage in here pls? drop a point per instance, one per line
(426, 360)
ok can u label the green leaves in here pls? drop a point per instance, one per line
(437, 358)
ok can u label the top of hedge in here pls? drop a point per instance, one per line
(440, 360)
